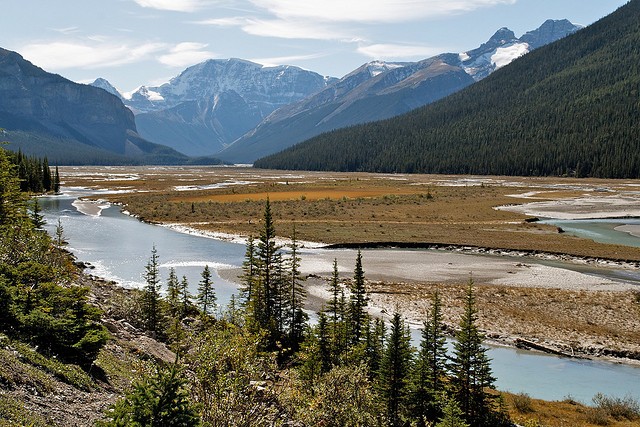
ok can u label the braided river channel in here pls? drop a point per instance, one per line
(117, 247)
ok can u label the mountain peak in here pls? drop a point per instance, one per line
(550, 31)
(104, 84)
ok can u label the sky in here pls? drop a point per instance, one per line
(147, 42)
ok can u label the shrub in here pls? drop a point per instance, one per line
(522, 403)
(620, 408)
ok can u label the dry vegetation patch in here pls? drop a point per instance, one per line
(579, 322)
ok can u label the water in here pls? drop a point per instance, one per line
(599, 230)
(120, 246)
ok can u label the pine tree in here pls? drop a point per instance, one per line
(261, 305)
(297, 317)
(36, 216)
(160, 400)
(324, 343)
(358, 302)
(151, 298)
(452, 416)
(206, 295)
(430, 369)
(470, 366)
(185, 297)
(336, 314)
(395, 369)
(173, 294)
(56, 182)
(374, 350)
(249, 271)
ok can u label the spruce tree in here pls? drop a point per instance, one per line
(249, 271)
(56, 182)
(151, 298)
(358, 302)
(430, 369)
(206, 295)
(395, 369)
(297, 317)
(470, 366)
(452, 416)
(185, 296)
(173, 294)
(160, 400)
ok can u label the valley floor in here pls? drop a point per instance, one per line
(566, 310)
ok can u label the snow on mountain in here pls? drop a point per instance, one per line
(104, 84)
(212, 103)
(378, 90)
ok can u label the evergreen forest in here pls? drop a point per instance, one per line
(567, 109)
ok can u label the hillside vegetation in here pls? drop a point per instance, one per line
(569, 108)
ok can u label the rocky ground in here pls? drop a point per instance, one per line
(39, 397)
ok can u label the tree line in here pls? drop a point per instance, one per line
(566, 109)
(35, 174)
(39, 302)
(260, 361)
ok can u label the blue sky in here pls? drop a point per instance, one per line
(135, 42)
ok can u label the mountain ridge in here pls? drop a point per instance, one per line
(569, 108)
(375, 91)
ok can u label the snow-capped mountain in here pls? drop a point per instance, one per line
(380, 90)
(211, 104)
(503, 47)
(104, 84)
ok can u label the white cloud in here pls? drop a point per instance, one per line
(175, 5)
(374, 11)
(65, 55)
(397, 51)
(281, 28)
(185, 54)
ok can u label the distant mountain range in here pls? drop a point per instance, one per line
(235, 109)
(569, 108)
(45, 114)
(249, 111)
(211, 104)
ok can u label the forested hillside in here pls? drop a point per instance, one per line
(570, 108)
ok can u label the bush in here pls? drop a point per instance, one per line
(522, 403)
(620, 408)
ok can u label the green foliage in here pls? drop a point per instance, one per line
(343, 397)
(428, 380)
(452, 416)
(358, 302)
(470, 367)
(568, 108)
(157, 401)
(35, 306)
(233, 379)
(14, 413)
(206, 295)
(395, 369)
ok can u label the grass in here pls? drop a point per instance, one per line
(14, 413)
(564, 413)
(68, 373)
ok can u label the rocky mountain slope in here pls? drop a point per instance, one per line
(379, 90)
(569, 108)
(211, 104)
(46, 114)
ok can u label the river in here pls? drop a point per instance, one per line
(119, 246)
